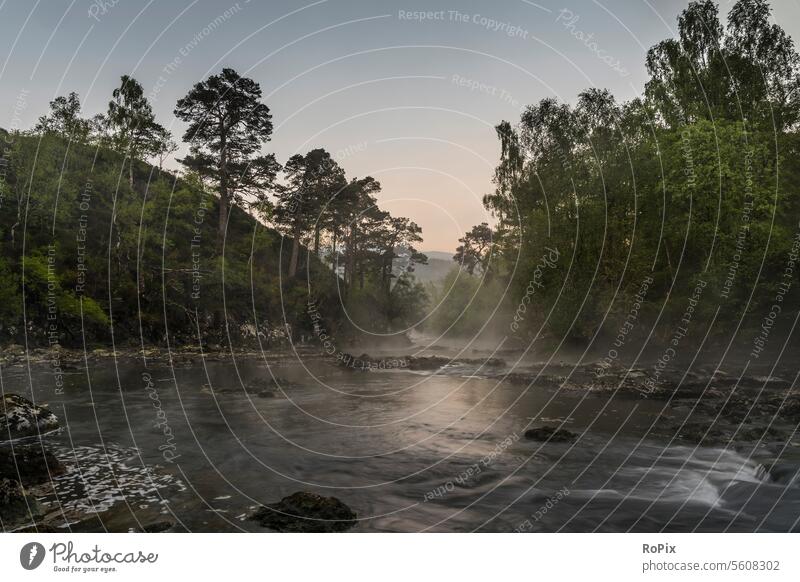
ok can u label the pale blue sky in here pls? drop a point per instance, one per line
(410, 102)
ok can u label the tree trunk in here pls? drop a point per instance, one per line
(224, 195)
(334, 253)
(223, 221)
(350, 261)
(295, 251)
(387, 274)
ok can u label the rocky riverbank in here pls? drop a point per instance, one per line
(24, 466)
(71, 359)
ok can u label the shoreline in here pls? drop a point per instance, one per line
(15, 355)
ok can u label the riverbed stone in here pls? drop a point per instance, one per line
(19, 417)
(29, 464)
(307, 513)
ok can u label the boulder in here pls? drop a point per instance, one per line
(550, 434)
(29, 464)
(307, 513)
(19, 417)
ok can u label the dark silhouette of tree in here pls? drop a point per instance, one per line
(307, 203)
(357, 214)
(508, 173)
(475, 249)
(396, 234)
(228, 125)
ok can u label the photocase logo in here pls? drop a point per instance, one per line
(31, 555)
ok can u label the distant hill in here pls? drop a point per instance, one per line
(439, 264)
(440, 255)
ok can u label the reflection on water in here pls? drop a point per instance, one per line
(409, 451)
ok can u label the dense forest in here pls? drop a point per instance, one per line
(621, 218)
(100, 242)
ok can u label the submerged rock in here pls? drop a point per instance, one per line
(306, 513)
(29, 464)
(784, 473)
(762, 434)
(550, 434)
(15, 505)
(156, 527)
(19, 417)
(38, 528)
(267, 387)
(218, 390)
(428, 363)
(90, 524)
(702, 433)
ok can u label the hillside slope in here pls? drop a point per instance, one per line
(84, 255)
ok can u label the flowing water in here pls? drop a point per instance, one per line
(202, 445)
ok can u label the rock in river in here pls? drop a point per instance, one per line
(550, 434)
(29, 464)
(19, 417)
(14, 504)
(306, 513)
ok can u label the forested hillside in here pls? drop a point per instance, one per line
(100, 243)
(99, 256)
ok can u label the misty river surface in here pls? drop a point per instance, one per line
(408, 451)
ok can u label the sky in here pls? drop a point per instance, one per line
(407, 92)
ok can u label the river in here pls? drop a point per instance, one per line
(204, 442)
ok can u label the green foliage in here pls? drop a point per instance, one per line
(65, 119)
(681, 187)
(9, 298)
(371, 309)
(132, 124)
(463, 304)
(94, 251)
